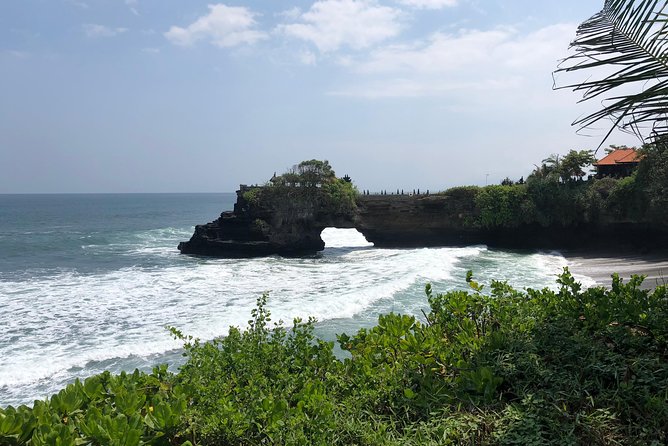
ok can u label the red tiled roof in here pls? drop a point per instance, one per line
(619, 156)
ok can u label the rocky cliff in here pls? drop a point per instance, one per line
(270, 220)
(289, 220)
(417, 220)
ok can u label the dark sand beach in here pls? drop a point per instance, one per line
(600, 266)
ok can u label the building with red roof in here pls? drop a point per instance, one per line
(618, 164)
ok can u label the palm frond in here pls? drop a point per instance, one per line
(628, 39)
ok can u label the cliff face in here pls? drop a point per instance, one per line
(284, 221)
(417, 220)
(453, 219)
(288, 221)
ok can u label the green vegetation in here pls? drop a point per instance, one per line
(570, 366)
(310, 186)
(570, 167)
(629, 39)
(537, 367)
(504, 206)
(252, 195)
(556, 195)
(652, 180)
(128, 409)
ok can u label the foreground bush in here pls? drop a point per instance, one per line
(128, 409)
(570, 366)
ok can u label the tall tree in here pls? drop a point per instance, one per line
(624, 48)
(574, 163)
(315, 172)
(552, 163)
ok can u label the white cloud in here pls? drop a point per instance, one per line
(224, 26)
(358, 24)
(19, 54)
(429, 4)
(80, 4)
(132, 4)
(94, 30)
(500, 60)
(412, 88)
(290, 14)
(307, 57)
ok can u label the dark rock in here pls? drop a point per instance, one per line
(290, 222)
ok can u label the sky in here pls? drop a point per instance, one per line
(115, 96)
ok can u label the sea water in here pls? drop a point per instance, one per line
(89, 282)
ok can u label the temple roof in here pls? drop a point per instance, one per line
(619, 156)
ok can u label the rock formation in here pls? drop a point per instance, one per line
(285, 221)
(287, 216)
(289, 220)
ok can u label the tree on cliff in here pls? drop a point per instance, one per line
(624, 48)
(574, 163)
(314, 172)
(312, 182)
(550, 166)
(567, 167)
(652, 178)
(311, 173)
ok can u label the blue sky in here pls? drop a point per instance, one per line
(193, 96)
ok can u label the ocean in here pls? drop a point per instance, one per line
(90, 282)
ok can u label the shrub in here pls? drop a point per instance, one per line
(260, 385)
(504, 206)
(625, 201)
(653, 178)
(124, 410)
(564, 366)
(252, 196)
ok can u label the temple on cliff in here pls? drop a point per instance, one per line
(619, 163)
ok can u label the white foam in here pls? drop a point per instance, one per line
(343, 238)
(54, 326)
(70, 319)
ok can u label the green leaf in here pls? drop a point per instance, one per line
(628, 39)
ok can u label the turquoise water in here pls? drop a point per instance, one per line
(89, 282)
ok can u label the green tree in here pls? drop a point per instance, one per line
(315, 172)
(507, 182)
(573, 164)
(505, 206)
(652, 177)
(552, 163)
(623, 47)
(567, 167)
(310, 173)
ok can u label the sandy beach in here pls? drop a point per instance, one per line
(601, 265)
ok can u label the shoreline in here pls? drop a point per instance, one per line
(600, 265)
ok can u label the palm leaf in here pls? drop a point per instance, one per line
(629, 40)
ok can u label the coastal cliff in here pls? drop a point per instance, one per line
(287, 216)
(291, 222)
(418, 220)
(287, 221)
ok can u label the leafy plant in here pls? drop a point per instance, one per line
(504, 206)
(264, 384)
(488, 365)
(626, 42)
(124, 410)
